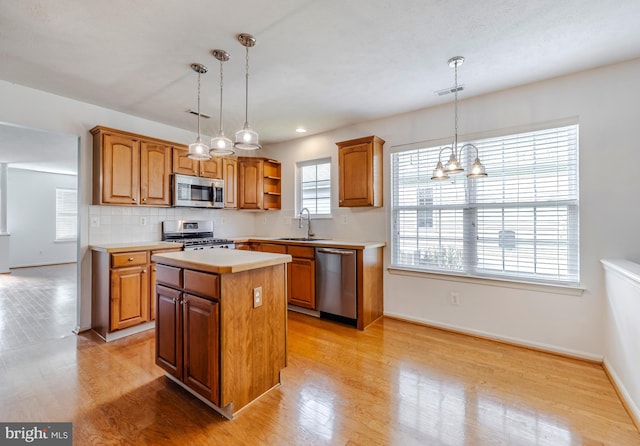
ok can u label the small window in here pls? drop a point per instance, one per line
(66, 214)
(314, 186)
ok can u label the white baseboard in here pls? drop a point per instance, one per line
(631, 405)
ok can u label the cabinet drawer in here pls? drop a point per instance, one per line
(306, 252)
(129, 259)
(273, 248)
(169, 275)
(204, 284)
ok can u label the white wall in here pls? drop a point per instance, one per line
(31, 218)
(41, 110)
(604, 103)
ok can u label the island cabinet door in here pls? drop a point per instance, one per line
(169, 330)
(201, 346)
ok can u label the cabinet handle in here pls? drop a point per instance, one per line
(130, 259)
(154, 270)
(144, 199)
(144, 271)
(133, 199)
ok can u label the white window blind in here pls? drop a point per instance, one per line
(315, 186)
(66, 214)
(520, 222)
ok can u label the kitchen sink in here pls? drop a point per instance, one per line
(299, 239)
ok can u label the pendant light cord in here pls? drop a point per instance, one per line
(246, 90)
(199, 74)
(221, 82)
(455, 101)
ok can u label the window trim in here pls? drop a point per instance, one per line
(561, 287)
(70, 239)
(298, 186)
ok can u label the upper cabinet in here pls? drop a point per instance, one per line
(360, 166)
(230, 177)
(209, 169)
(130, 169)
(259, 183)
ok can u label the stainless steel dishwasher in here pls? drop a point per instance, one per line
(336, 296)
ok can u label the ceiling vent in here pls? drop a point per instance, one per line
(202, 115)
(449, 90)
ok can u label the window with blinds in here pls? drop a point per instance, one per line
(519, 223)
(66, 214)
(315, 186)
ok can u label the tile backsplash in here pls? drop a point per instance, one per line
(123, 224)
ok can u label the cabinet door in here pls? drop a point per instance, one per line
(129, 296)
(182, 164)
(230, 177)
(155, 174)
(211, 168)
(120, 169)
(302, 283)
(169, 330)
(250, 182)
(201, 350)
(355, 175)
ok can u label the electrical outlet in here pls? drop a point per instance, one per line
(257, 297)
(345, 220)
(455, 298)
(95, 222)
(143, 221)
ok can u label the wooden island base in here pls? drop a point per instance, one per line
(221, 324)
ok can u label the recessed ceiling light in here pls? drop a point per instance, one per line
(301, 130)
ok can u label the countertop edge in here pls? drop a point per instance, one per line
(266, 260)
(328, 243)
(134, 246)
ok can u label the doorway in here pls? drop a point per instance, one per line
(39, 297)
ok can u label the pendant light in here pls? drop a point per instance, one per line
(198, 150)
(247, 139)
(221, 145)
(454, 166)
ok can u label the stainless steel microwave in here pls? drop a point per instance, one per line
(197, 192)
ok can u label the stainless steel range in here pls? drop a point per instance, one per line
(193, 234)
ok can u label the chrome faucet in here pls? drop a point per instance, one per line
(309, 232)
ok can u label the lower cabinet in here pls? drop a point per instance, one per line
(301, 273)
(123, 291)
(187, 333)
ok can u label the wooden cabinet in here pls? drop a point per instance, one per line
(360, 167)
(120, 291)
(130, 169)
(213, 340)
(123, 291)
(302, 276)
(187, 340)
(301, 273)
(230, 177)
(152, 282)
(259, 183)
(186, 166)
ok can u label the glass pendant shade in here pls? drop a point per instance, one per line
(247, 139)
(198, 151)
(477, 170)
(453, 165)
(439, 173)
(221, 145)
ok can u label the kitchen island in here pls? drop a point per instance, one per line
(221, 323)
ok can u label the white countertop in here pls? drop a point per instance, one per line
(134, 246)
(221, 261)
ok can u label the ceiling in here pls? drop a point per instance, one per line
(317, 64)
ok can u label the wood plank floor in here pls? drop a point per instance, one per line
(394, 384)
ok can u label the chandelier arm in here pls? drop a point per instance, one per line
(442, 150)
(469, 145)
(246, 89)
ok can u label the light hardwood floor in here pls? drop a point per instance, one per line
(394, 384)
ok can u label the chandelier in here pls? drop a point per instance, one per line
(454, 166)
(198, 150)
(221, 145)
(247, 139)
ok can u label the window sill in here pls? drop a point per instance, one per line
(66, 240)
(519, 285)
